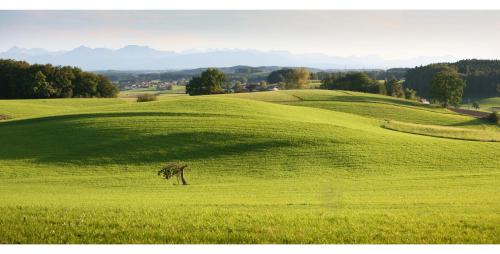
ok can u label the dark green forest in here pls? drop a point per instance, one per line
(21, 80)
(482, 77)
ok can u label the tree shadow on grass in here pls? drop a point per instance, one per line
(24, 122)
(474, 122)
(65, 139)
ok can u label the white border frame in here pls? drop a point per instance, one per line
(251, 5)
(250, 249)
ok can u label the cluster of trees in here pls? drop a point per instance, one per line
(288, 78)
(396, 73)
(354, 81)
(239, 87)
(482, 77)
(442, 83)
(20, 80)
(214, 81)
(362, 82)
(208, 82)
(446, 86)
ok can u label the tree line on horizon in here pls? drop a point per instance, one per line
(482, 77)
(447, 86)
(21, 80)
(242, 73)
(362, 82)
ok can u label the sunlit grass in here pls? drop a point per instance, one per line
(443, 131)
(261, 172)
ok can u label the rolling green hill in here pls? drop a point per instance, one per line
(272, 167)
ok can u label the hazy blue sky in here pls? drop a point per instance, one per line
(389, 34)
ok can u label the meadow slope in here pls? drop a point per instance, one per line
(275, 167)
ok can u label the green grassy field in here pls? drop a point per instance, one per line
(176, 89)
(444, 131)
(314, 84)
(270, 167)
(485, 104)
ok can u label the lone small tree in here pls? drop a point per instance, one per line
(174, 169)
(475, 105)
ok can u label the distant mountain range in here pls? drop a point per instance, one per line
(135, 57)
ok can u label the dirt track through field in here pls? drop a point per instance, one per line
(473, 113)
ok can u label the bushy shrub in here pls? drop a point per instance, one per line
(410, 94)
(147, 97)
(494, 118)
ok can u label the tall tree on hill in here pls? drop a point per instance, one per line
(209, 82)
(300, 78)
(447, 87)
(354, 81)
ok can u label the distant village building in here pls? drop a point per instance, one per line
(273, 88)
(495, 109)
(424, 101)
